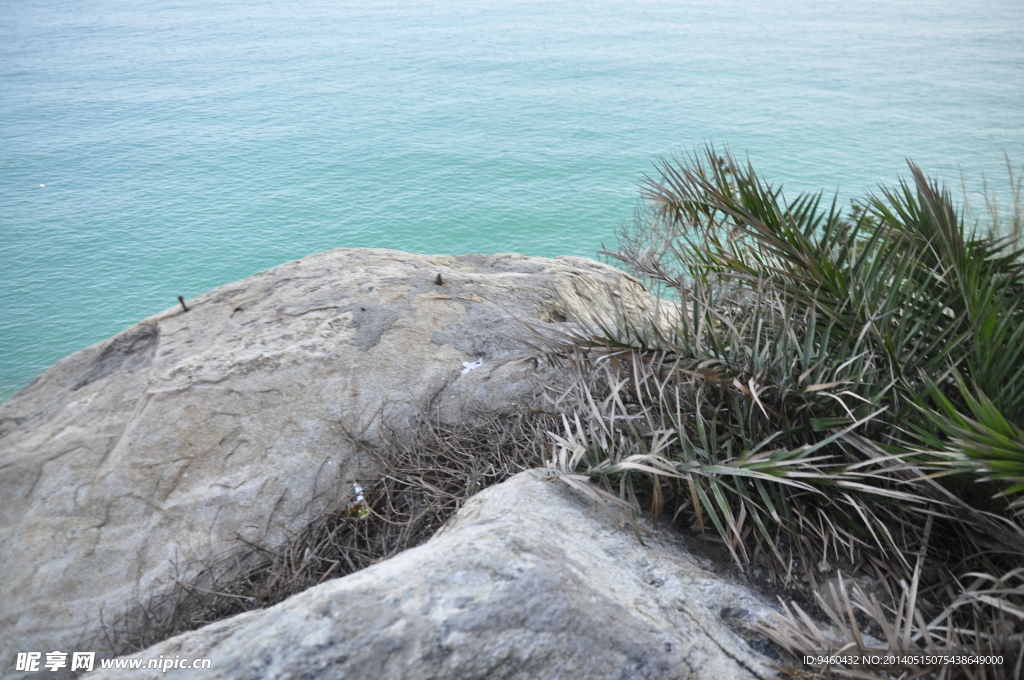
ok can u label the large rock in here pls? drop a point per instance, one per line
(529, 580)
(142, 457)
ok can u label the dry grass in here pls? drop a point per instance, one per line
(420, 483)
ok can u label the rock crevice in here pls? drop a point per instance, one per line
(528, 581)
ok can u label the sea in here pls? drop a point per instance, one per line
(156, 148)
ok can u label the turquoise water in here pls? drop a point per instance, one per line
(184, 145)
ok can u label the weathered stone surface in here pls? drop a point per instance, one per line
(155, 450)
(529, 580)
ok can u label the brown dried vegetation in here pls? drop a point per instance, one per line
(417, 485)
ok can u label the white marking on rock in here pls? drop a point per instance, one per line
(468, 366)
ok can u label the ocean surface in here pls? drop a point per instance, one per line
(153, 149)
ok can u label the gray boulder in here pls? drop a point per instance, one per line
(528, 581)
(142, 458)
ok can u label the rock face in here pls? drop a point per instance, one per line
(131, 461)
(529, 580)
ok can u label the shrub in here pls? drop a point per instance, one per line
(840, 391)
